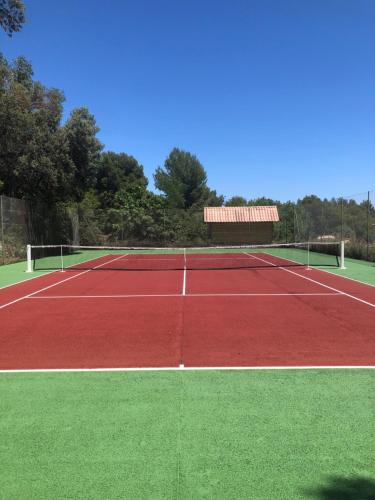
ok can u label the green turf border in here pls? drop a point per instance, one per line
(183, 435)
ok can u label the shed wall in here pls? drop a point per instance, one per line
(237, 233)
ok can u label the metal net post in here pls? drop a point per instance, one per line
(2, 243)
(342, 254)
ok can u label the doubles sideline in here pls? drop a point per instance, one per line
(57, 283)
(312, 280)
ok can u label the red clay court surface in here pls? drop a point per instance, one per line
(258, 317)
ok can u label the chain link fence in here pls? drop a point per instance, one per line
(358, 225)
(351, 219)
(141, 227)
(13, 229)
(23, 222)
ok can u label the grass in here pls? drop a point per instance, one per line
(181, 435)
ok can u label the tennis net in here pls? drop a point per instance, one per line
(69, 257)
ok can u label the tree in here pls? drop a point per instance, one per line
(210, 198)
(263, 201)
(16, 123)
(118, 172)
(33, 153)
(236, 201)
(183, 180)
(44, 171)
(84, 150)
(12, 15)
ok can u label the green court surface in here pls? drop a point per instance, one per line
(358, 270)
(14, 273)
(285, 434)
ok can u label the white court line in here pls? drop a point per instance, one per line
(343, 277)
(58, 283)
(184, 278)
(130, 296)
(191, 368)
(324, 271)
(313, 281)
(318, 294)
(149, 258)
(45, 273)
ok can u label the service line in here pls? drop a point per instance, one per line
(131, 296)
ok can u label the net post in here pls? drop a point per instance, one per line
(342, 254)
(29, 268)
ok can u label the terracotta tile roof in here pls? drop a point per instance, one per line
(241, 214)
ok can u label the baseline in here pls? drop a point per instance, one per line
(190, 368)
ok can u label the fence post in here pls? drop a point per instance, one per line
(164, 235)
(2, 230)
(368, 226)
(342, 219)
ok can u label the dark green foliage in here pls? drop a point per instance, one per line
(120, 180)
(183, 180)
(263, 201)
(84, 149)
(236, 201)
(210, 198)
(34, 160)
(12, 15)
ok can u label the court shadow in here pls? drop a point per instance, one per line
(343, 488)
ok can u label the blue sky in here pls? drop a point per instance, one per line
(276, 98)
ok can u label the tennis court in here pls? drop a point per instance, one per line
(253, 307)
(194, 373)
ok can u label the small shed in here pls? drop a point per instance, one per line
(241, 225)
